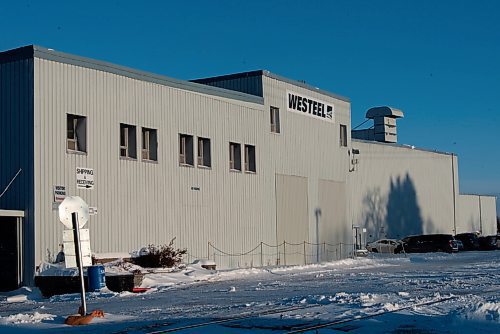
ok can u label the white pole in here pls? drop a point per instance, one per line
(76, 237)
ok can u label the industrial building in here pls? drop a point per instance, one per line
(248, 169)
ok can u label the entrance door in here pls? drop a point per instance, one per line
(9, 253)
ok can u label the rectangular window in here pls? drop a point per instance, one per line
(76, 134)
(250, 158)
(186, 150)
(235, 156)
(149, 144)
(275, 120)
(204, 152)
(128, 141)
(343, 135)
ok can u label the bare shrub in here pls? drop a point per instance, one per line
(164, 256)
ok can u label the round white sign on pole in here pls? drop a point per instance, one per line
(73, 204)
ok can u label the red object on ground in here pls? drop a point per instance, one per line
(139, 290)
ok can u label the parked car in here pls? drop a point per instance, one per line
(385, 246)
(488, 242)
(460, 245)
(470, 241)
(430, 243)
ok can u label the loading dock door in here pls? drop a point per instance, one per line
(292, 224)
(10, 252)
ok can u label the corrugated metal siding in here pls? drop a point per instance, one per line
(306, 147)
(249, 85)
(292, 216)
(397, 191)
(16, 147)
(477, 213)
(334, 227)
(489, 215)
(141, 203)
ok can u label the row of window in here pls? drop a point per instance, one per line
(77, 142)
(203, 156)
(128, 144)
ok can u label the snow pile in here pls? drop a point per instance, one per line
(192, 273)
(56, 269)
(489, 311)
(21, 295)
(120, 266)
(27, 318)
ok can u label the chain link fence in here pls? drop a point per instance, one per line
(286, 253)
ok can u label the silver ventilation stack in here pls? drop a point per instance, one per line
(384, 125)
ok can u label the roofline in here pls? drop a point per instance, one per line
(273, 76)
(403, 146)
(482, 195)
(36, 51)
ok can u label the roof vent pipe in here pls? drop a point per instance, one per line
(384, 119)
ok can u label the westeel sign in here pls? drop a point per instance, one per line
(312, 107)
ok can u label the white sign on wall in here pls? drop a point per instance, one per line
(59, 194)
(84, 178)
(305, 105)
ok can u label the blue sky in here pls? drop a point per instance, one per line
(438, 61)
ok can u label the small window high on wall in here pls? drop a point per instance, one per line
(275, 120)
(204, 158)
(149, 144)
(76, 133)
(186, 157)
(128, 141)
(343, 135)
(235, 156)
(250, 159)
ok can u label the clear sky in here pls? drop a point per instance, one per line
(437, 61)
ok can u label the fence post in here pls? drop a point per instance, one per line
(324, 252)
(305, 261)
(340, 251)
(284, 252)
(261, 256)
(208, 252)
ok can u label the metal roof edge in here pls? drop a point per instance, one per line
(229, 76)
(482, 195)
(402, 146)
(49, 54)
(20, 53)
(272, 76)
(304, 85)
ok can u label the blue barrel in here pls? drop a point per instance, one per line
(96, 278)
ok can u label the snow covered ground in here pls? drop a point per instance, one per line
(419, 293)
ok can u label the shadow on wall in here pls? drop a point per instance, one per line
(375, 203)
(403, 212)
(396, 215)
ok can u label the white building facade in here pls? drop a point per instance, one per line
(248, 169)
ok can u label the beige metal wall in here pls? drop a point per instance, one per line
(292, 225)
(334, 228)
(306, 147)
(398, 191)
(477, 214)
(141, 203)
